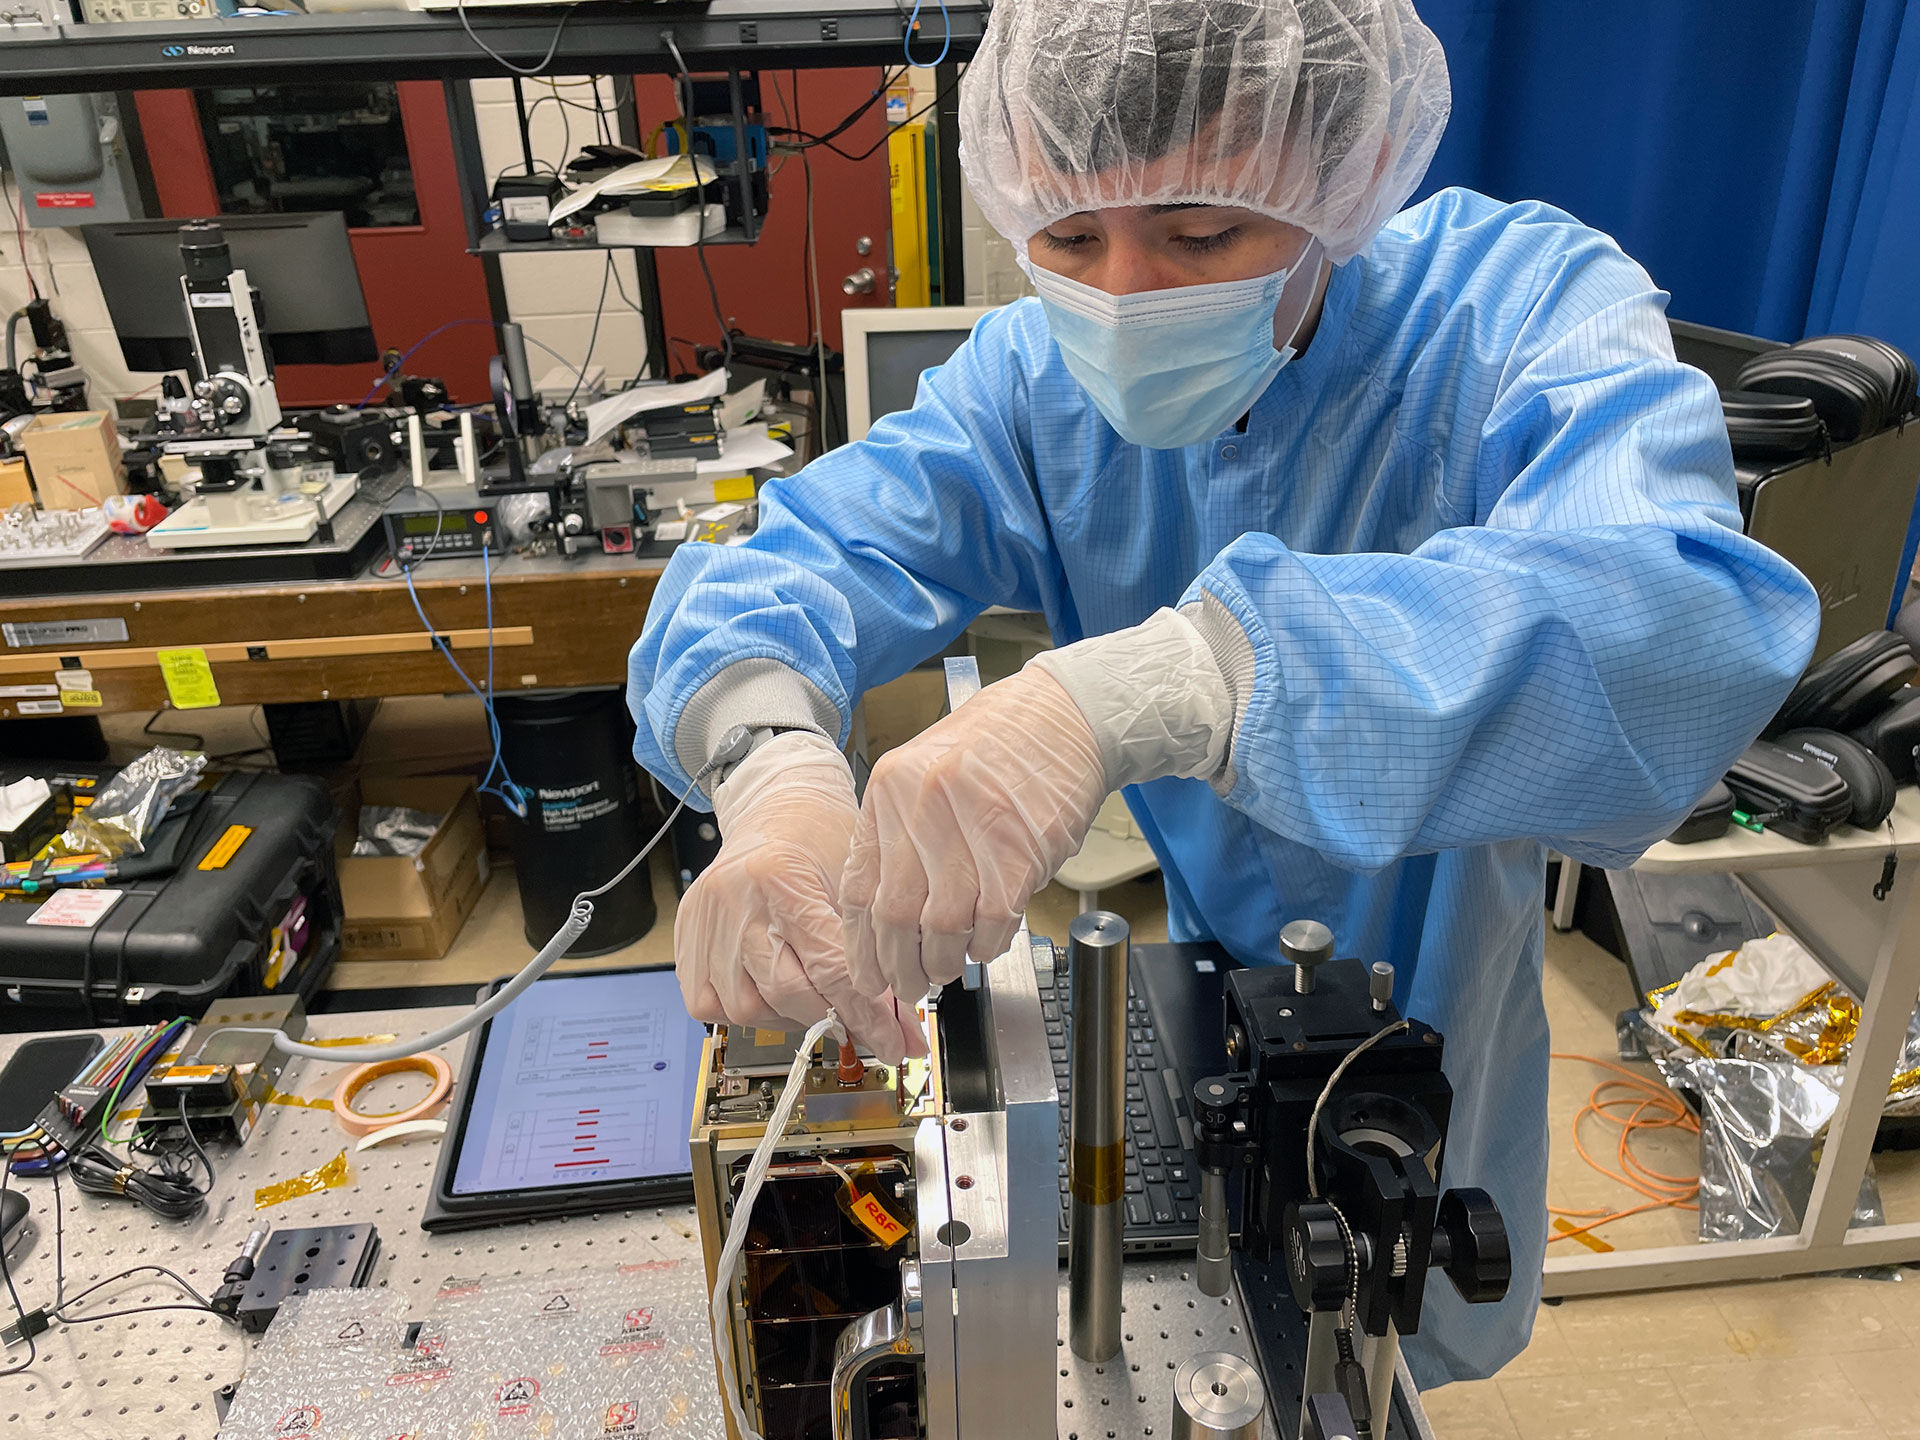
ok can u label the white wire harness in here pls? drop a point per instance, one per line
(742, 1216)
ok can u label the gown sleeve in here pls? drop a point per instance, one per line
(868, 560)
(1578, 666)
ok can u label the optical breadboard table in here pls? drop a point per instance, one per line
(1823, 895)
(154, 1377)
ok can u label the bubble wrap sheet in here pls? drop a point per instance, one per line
(605, 1353)
(154, 1376)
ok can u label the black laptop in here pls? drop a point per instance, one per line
(1174, 1020)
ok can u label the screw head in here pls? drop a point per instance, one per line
(1306, 942)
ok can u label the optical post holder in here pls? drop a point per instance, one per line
(1362, 1224)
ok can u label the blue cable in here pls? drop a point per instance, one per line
(913, 22)
(394, 369)
(513, 797)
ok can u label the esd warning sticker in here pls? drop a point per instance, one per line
(515, 1398)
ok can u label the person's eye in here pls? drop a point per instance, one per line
(1064, 242)
(1208, 244)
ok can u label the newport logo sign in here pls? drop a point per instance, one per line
(176, 52)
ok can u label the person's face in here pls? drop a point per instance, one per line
(1131, 248)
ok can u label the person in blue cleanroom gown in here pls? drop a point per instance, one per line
(1384, 549)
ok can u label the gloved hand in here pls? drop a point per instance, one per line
(960, 826)
(965, 822)
(758, 937)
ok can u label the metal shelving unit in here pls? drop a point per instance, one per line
(494, 243)
(593, 38)
(596, 38)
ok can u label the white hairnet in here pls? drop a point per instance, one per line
(1319, 113)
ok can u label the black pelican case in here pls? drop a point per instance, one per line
(198, 914)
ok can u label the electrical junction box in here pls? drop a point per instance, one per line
(69, 157)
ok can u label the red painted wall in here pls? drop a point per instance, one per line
(761, 286)
(414, 277)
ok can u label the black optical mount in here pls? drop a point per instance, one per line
(1319, 1047)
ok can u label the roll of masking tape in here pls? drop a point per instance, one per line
(356, 1123)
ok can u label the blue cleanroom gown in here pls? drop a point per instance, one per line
(1483, 540)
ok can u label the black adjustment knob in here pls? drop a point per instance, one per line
(1470, 1244)
(1215, 1100)
(1316, 1256)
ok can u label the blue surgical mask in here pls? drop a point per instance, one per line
(1171, 368)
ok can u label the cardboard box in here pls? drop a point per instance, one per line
(15, 487)
(410, 907)
(75, 459)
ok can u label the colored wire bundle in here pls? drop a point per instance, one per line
(115, 1070)
(30, 876)
(1633, 1105)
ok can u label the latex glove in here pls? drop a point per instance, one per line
(758, 937)
(960, 826)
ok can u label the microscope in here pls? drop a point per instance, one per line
(255, 485)
(57, 383)
(900, 1277)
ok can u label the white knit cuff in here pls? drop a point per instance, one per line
(752, 693)
(1153, 696)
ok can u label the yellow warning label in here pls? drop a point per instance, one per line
(769, 1037)
(189, 678)
(733, 487)
(81, 699)
(874, 1218)
(225, 848)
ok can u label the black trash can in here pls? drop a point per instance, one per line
(571, 754)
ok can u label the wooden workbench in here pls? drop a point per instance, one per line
(557, 624)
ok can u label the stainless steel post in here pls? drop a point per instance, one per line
(1212, 1265)
(1096, 1132)
(1217, 1396)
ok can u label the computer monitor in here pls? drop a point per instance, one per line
(313, 310)
(887, 350)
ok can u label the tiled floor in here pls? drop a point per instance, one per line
(1797, 1359)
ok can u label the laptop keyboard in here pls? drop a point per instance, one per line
(1162, 1192)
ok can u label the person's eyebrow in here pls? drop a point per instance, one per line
(1182, 205)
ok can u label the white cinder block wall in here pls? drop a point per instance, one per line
(64, 273)
(553, 295)
(993, 274)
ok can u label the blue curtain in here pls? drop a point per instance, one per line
(1760, 157)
